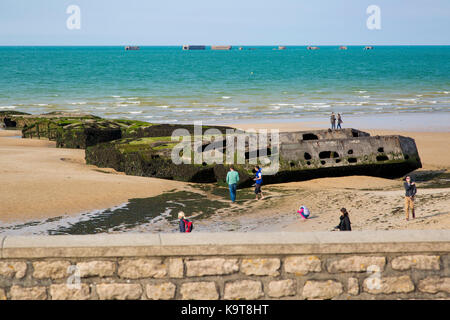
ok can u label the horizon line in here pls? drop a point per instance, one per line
(234, 45)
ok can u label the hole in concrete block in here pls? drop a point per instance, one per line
(328, 154)
(352, 160)
(337, 160)
(322, 161)
(258, 153)
(307, 156)
(380, 149)
(308, 163)
(292, 163)
(382, 158)
(310, 136)
(406, 157)
(350, 151)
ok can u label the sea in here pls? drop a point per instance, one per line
(262, 83)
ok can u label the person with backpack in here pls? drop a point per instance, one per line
(184, 224)
(232, 180)
(410, 193)
(258, 182)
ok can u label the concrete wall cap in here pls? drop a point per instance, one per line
(229, 243)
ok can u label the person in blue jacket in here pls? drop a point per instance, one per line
(258, 182)
(181, 222)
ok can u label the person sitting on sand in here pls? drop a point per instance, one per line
(258, 183)
(344, 224)
(181, 222)
(303, 212)
(184, 224)
(410, 193)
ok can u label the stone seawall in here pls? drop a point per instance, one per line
(319, 265)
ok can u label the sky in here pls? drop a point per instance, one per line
(231, 22)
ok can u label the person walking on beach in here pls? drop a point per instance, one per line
(232, 180)
(339, 121)
(333, 121)
(344, 224)
(258, 183)
(410, 193)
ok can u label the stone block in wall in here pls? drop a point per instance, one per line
(282, 288)
(421, 262)
(301, 265)
(243, 290)
(160, 291)
(32, 293)
(322, 289)
(199, 291)
(13, 269)
(388, 285)
(356, 264)
(50, 269)
(176, 267)
(119, 291)
(96, 268)
(261, 266)
(434, 285)
(2, 294)
(142, 268)
(353, 286)
(64, 292)
(209, 267)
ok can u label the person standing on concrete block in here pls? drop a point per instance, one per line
(410, 193)
(333, 121)
(339, 121)
(232, 180)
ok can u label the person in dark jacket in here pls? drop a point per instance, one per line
(181, 223)
(410, 193)
(344, 224)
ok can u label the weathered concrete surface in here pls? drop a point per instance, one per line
(233, 243)
(145, 149)
(330, 154)
(293, 137)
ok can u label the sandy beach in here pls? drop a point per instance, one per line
(40, 181)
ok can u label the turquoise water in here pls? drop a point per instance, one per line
(166, 84)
